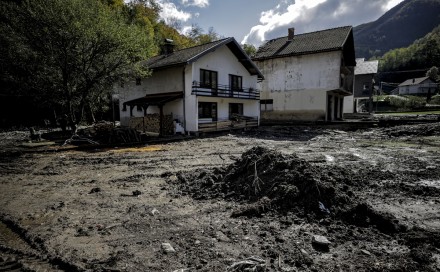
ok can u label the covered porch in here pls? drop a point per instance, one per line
(159, 100)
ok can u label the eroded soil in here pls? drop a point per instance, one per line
(252, 200)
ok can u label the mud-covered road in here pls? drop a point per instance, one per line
(275, 199)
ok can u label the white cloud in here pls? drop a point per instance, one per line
(169, 11)
(197, 3)
(312, 15)
(185, 30)
(390, 4)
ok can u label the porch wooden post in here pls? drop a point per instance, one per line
(145, 114)
(161, 120)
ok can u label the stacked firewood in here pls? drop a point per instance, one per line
(151, 123)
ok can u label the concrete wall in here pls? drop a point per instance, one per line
(299, 85)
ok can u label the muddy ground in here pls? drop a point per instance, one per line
(273, 199)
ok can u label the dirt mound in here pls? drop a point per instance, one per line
(430, 129)
(271, 180)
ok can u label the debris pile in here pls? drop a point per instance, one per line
(105, 133)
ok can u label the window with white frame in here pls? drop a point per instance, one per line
(266, 104)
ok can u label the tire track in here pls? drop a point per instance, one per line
(17, 253)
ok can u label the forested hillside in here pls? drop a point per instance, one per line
(399, 27)
(422, 54)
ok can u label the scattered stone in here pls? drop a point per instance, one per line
(222, 237)
(366, 252)
(197, 242)
(320, 242)
(154, 212)
(167, 248)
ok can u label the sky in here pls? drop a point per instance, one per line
(256, 21)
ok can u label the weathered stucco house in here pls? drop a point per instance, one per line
(361, 100)
(307, 76)
(203, 88)
(417, 86)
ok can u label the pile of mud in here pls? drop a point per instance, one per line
(271, 180)
(264, 180)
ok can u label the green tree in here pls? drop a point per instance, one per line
(199, 37)
(432, 73)
(249, 49)
(422, 54)
(69, 53)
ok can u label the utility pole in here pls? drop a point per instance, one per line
(377, 94)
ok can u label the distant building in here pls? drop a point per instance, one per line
(307, 76)
(418, 86)
(364, 73)
(197, 89)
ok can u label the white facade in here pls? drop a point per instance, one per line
(303, 88)
(182, 79)
(423, 88)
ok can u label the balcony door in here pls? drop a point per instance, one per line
(209, 80)
(208, 110)
(235, 84)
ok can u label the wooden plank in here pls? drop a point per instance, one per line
(252, 123)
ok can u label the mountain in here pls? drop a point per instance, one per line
(399, 27)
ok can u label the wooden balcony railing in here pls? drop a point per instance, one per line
(224, 91)
(220, 125)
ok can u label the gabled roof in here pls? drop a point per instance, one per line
(192, 54)
(366, 67)
(334, 39)
(413, 81)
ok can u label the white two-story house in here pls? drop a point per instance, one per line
(203, 88)
(307, 75)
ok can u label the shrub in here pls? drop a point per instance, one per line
(406, 102)
(435, 100)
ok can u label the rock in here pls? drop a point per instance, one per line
(320, 240)
(366, 252)
(222, 237)
(167, 248)
(173, 178)
(320, 243)
(154, 212)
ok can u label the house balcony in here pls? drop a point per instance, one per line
(227, 91)
(244, 122)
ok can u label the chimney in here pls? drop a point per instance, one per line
(291, 34)
(167, 47)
